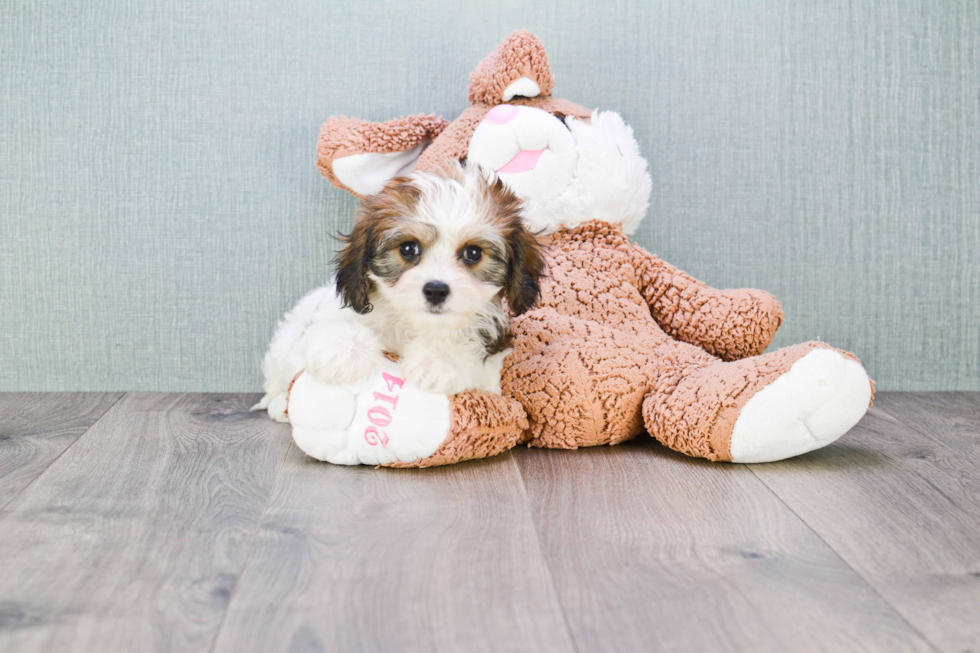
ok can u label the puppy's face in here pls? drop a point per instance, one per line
(439, 249)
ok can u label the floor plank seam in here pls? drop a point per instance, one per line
(62, 453)
(251, 547)
(547, 565)
(882, 413)
(924, 433)
(840, 557)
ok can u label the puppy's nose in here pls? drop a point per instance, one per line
(435, 292)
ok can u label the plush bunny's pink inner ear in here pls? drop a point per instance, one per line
(361, 156)
(519, 67)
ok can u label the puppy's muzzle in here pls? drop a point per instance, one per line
(435, 292)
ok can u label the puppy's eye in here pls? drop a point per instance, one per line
(409, 250)
(472, 254)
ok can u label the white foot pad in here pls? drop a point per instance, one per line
(815, 402)
(376, 421)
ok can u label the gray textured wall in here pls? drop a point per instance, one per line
(159, 206)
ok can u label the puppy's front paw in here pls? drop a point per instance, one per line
(341, 353)
(277, 408)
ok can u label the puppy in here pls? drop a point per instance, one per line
(422, 275)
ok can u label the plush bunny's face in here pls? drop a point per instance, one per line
(531, 150)
(567, 171)
(567, 164)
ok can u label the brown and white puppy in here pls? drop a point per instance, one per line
(422, 275)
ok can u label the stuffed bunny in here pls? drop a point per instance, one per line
(619, 342)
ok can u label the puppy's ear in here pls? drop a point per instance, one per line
(379, 214)
(526, 266)
(526, 261)
(353, 284)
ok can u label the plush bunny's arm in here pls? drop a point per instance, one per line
(730, 324)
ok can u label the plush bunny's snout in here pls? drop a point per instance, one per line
(530, 150)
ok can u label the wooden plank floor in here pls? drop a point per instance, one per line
(184, 523)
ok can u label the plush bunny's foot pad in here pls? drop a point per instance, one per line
(385, 421)
(377, 421)
(819, 399)
(762, 408)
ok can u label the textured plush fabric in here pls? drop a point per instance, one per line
(160, 208)
(340, 137)
(480, 425)
(731, 324)
(519, 55)
(593, 364)
(694, 409)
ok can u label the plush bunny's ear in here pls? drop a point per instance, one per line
(519, 67)
(361, 156)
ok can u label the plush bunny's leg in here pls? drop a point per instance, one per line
(582, 383)
(481, 424)
(758, 409)
(816, 401)
(385, 421)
